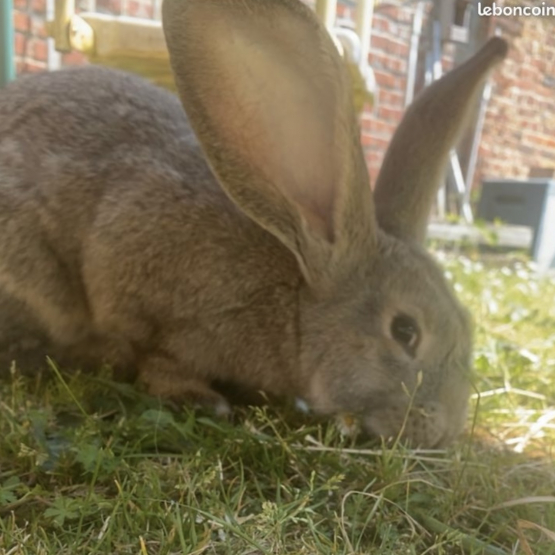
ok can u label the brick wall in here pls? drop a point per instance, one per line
(31, 47)
(519, 130)
(520, 125)
(389, 50)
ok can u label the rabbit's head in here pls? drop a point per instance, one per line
(394, 347)
(380, 332)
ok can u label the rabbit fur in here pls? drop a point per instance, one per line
(240, 242)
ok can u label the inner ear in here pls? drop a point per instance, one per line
(269, 98)
(276, 119)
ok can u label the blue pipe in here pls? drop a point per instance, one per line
(7, 66)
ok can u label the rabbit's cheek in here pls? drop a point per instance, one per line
(346, 388)
(319, 396)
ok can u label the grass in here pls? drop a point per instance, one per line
(89, 466)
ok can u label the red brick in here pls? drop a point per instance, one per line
(20, 44)
(344, 12)
(375, 144)
(379, 128)
(33, 67)
(39, 50)
(390, 45)
(374, 159)
(385, 79)
(385, 61)
(39, 6)
(38, 27)
(389, 114)
(392, 98)
(380, 23)
(109, 6)
(399, 14)
(139, 9)
(22, 22)
(73, 59)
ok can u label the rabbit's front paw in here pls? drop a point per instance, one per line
(94, 349)
(193, 393)
(163, 379)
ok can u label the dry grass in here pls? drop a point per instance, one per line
(88, 466)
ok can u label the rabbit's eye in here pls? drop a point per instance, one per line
(404, 330)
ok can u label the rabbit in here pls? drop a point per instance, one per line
(231, 234)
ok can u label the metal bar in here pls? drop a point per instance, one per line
(326, 11)
(466, 210)
(64, 10)
(54, 57)
(363, 26)
(413, 52)
(436, 46)
(7, 66)
(436, 72)
(471, 170)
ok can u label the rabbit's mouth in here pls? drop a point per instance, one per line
(428, 426)
(392, 415)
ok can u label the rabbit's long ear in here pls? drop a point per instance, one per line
(418, 153)
(269, 99)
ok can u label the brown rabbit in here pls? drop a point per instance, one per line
(259, 258)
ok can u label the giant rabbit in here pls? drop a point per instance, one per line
(239, 240)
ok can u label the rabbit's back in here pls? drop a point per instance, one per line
(92, 120)
(74, 108)
(74, 140)
(84, 146)
(112, 224)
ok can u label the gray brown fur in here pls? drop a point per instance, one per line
(118, 244)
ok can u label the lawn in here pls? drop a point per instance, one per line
(89, 466)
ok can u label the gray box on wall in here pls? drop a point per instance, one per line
(530, 203)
